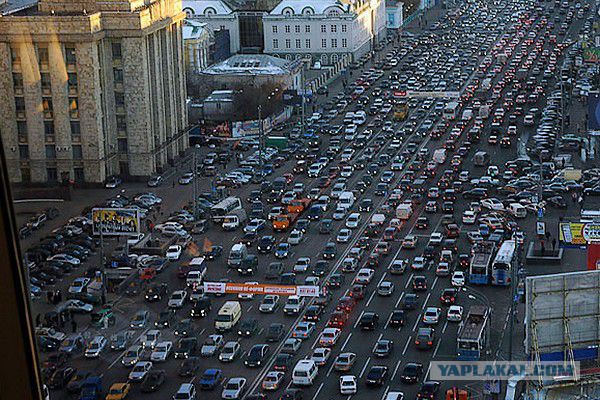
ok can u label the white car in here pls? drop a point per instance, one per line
(269, 304)
(320, 355)
(329, 336)
(302, 265)
(212, 344)
(454, 313)
(344, 236)
(77, 306)
(295, 237)
(140, 370)
(174, 252)
(469, 217)
(161, 352)
(64, 258)
(436, 238)
(339, 213)
(353, 220)
(233, 389)
(177, 299)
(272, 380)
(230, 351)
(418, 263)
(431, 315)
(348, 384)
(458, 279)
(394, 396)
(492, 204)
(78, 285)
(255, 225)
(96, 346)
(151, 338)
(364, 276)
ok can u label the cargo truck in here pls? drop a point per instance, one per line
(404, 211)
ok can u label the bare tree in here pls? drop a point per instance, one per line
(247, 99)
(197, 85)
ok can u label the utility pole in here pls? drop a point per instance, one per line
(513, 292)
(303, 92)
(260, 144)
(195, 183)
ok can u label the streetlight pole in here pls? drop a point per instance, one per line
(195, 182)
(303, 92)
(260, 143)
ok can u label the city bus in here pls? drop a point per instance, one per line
(503, 263)
(479, 268)
(451, 110)
(225, 207)
(473, 334)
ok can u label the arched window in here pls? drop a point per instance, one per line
(308, 11)
(210, 11)
(287, 11)
(189, 12)
(298, 56)
(324, 59)
(288, 57)
(334, 58)
(333, 12)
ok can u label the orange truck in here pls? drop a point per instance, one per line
(283, 222)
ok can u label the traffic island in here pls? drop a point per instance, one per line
(535, 255)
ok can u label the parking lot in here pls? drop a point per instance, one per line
(503, 58)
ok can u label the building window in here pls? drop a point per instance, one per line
(72, 81)
(70, 56)
(118, 75)
(275, 43)
(48, 128)
(22, 129)
(74, 107)
(344, 42)
(298, 43)
(334, 43)
(307, 43)
(344, 28)
(25, 174)
(20, 104)
(121, 123)
(14, 55)
(43, 56)
(77, 152)
(333, 28)
(75, 130)
(120, 99)
(52, 174)
(50, 151)
(45, 80)
(323, 28)
(116, 51)
(307, 28)
(47, 104)
(287, 29)
(79, 174)
(23, 152)
(274, 28)
(122, 145)
(323, 42)
(18, 80)
(288, 43)
(297, 28)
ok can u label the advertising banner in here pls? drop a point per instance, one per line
(261, 289)
(579, 234)
(115, 221)
(594, 113)
(591, 54)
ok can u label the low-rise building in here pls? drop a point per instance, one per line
(218, 16)
(394, 10)
(196, 44)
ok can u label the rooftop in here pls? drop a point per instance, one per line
(193, 29)
(206, 7)
(221, 96)
(308, 7)
(12, 6)
(255, 64)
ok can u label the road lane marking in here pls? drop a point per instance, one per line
(358, 319)
(399, 300)
(416, 323)
(330, 368)
(426, 300)
(382, 278)
(406, 345)
(437, 346)
(396, 370)
(427, 373)
(445, 326)
(370, 299)
(434, 282)
(318, 390)
(346, 341)
(362, 372)
(410, 278)
(249, 308)
(112, 364)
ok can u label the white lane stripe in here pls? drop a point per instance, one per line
(399, 300)
(437, 346)
(406, 345)
(410, 278)
(346, 341)
(416, 323)
(445, 326)
(370, 299)
(396, 370)
(434, 282)
(318, 390)
(358, 319)
(362, 372)
(426, 300)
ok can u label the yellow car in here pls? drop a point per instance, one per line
(118, 391)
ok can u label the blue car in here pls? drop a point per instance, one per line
(282, 250)
(210, 379)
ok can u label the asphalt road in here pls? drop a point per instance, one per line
(425, 45)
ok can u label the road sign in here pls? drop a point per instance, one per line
(116, 221)
(540, 212)
(261, 289)
(540, 228)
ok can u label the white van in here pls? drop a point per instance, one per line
(197, 272)
(305, 372)
(467, 114)
(229, 315)
(346, 200)
(315, 170)
(238, 252)
(517, 210)
(187, 391)
(360, 117)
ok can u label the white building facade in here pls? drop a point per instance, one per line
(196, 45)
(395, 14)
(324, 30)
(217, 16)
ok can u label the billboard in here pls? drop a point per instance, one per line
(594, 112)
(591, 54)
(116, 221)
(578, 234)
(261, 289)
(562, 313)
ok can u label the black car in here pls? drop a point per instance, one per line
(313, 313)
(274, 271)
(156, 292)
(422, 223)
(249, 265)
(153, 381)
(419, 283)
(214, 252)
(326, 226)
(186, 347)
(425, 338)
(275, 332)
(291, 394)
(369, 321)
(335, 281)
(330, 251)
(397, 319)
(184, 328)
(377, 375)
(265, 244)
(429, 390)
(283, 362)
(165, 319)
(320, 268)
(201, 307)
(249, 238)
(448, 296)
(61, 377)
(411, 373)
(189, 367)
(409, 302)
(366, 205)
(383, 348)
(257, 355)
(248, 328)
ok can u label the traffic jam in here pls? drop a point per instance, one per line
(384, 236)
